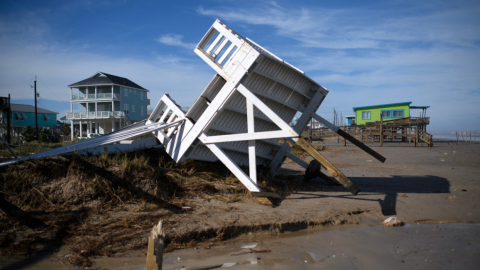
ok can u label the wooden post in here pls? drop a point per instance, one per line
(337, 174)
(381, 130)
(344, 139)
(416, 136)
(372, 132)
(156, 244)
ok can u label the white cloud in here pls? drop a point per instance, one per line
(359, 28)
(175, 40)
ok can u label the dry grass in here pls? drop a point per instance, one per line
(65, 195)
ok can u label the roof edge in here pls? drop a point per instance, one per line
(381, 105)
(89, 85)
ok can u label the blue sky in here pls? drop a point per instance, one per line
(363, 52)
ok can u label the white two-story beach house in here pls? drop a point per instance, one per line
(104, 103)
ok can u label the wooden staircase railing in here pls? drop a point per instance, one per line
(426, 137)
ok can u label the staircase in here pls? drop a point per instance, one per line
(425, 137)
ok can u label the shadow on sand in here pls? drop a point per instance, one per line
(391, 186)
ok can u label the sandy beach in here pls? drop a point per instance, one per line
(426, 188)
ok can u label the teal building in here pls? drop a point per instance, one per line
(23, 115)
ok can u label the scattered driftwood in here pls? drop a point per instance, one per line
(156, 244)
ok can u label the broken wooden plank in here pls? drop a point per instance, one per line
(362, 146)
(336, 173)
(349, 138)
(156, 244)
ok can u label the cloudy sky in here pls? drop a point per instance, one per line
(363, 52)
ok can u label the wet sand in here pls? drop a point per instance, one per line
(429, 186)
(414, 246)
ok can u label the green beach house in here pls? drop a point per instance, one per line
(387, 112)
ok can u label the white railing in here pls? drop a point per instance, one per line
(108, 96)
(95, 115)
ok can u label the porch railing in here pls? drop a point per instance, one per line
(108, 96)
(95, 115)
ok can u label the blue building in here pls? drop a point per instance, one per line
(350, 120)
(22, 115)
(104, 103)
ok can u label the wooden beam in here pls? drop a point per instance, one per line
(337, 174)
(252, 163)
(349, 138)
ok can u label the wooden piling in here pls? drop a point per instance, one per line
(416, 136)
(381, 131)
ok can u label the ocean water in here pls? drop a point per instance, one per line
(451, 135)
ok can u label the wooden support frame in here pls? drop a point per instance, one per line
(211, 141)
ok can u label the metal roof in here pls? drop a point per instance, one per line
(419, 107)
(381, 105)
(28, 108)
(102, 78)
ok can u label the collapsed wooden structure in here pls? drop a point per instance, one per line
(241, 115)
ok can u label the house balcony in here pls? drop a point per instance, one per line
(95, 115)
(93, 97)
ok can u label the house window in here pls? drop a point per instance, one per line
(133, 108)
(393, 114)
(45, 117)
(398, 113)
(366, 115)
(141, 95)
(19, 116)
(125, 107)
(125, 90)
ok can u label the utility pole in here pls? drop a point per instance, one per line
(36, 116)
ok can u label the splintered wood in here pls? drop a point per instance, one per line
(156, 244)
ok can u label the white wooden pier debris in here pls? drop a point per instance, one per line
(245, 109)
(243, 112)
